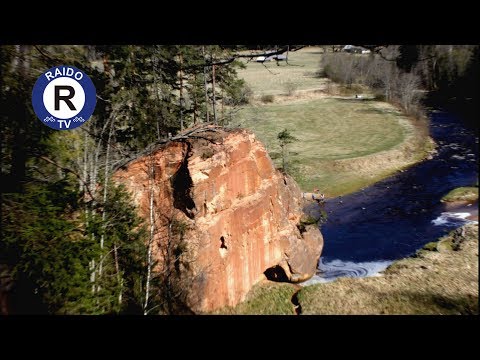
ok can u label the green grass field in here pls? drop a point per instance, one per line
(327, 130)
(301, 72)
(265, 298)
(344, 144)
(461, 194)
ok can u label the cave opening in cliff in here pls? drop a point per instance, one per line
(222, 243)
(182, 184)
(276, 273)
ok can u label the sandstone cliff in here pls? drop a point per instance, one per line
(222, 216)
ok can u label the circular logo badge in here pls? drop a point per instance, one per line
(64, 97)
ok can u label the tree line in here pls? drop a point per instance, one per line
(399, 73)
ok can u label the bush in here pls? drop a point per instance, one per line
(267, 98)
(207, 154)
(351, 90)
(417, 112)
(383, 77)
(322, 72)
(246, 94)
(290, 87)
(380, 96)
(239, 93)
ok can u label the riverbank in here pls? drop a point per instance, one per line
(441, 279)
(462, 201)
(345, 143)
(462, 194)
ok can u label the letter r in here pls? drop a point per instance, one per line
(65, 98)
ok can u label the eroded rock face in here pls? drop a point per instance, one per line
(239, 216)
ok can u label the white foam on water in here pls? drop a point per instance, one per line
(331, 270)
(315, 279)
(453, 219)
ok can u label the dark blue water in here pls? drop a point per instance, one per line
(393, 218)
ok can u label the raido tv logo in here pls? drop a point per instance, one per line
(64, 97)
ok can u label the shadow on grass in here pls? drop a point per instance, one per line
(353, 99)
(414, 302)
(377, 111)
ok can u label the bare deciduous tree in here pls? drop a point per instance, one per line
(381, 75)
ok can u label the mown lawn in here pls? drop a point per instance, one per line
(339, 137)
(327, 129)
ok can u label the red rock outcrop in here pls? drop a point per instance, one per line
(237, 216)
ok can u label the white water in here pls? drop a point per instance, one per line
(339, 268)
(453, 219)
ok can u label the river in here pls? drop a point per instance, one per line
(367, 230)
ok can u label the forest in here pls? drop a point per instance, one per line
(71, 241)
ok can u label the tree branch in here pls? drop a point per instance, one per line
(99, 97)
(191, 133)
(246, 56)
(69, 171)
(44, 54)
(271, 72)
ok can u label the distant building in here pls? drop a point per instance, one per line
(276, 57)
(355, 49)
(279, 57)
